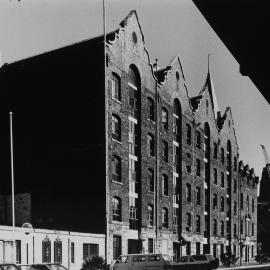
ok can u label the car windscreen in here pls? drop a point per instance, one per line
(57, 267)
(8, 267)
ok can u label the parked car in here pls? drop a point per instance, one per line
(146, 261)
(203, 261)
(8, 266)
(42, 266)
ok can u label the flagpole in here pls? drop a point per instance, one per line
(12, 183)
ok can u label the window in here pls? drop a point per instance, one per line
(117, 246)
(188, 217)
(165, 185)
(151, 181)
(90, 250)
(198, 140)
(252, 229)
(234, 186)
(215, 150)
(234, 208)
(215, 202)
(18, 251)
(222, 204)
(46, 251)
(133, 88)
(116, 87)
(188, 163)
(198, 224)
(241, 226)
(58, 251)
(198, 248)
(247, 203)
(198, 167)
(165, 217)
(198, 196)
(235, 164)
(150, 215)
(214, 227)
(151, 145)
(116, 209)
(222, 156)
(116, 127)
(252, 205)
(222, 228)
(242, 201)
(234, 230)
(151, 109)
(133, 220)
(72, 252)
(132, 138)
(222, 180)
(215, 176)
(165, 151)
(188, 193)
(188, 248)
(188, 134)
(164, 118)
(150, 246)
(116, 169)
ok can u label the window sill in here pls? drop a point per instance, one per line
(118, 183)
(165, 196)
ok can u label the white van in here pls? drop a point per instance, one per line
(146, 262)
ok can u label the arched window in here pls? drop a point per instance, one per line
(198, 224)
(116, 208)
(222, 228)
(222, 204)
(116, 87)
(222, 155)
(188, 139)
(134, 87)
(234, 230)
(222, 180)
(165, 185)
(215, 202)
(151, 145)
(234, 208)
(198, 140)
(198, 196)
(116, 127)
(165, 217)
(198, 167)
(234, 185)
(188, 193)
(151, 182)
(150, 215)
(189, 223)
(165, 151)
(188, 162)
(177, 117)
(215, 176)
(151, 109)
(164, 118)
(215, 150)
(116, 168)
(215, 227)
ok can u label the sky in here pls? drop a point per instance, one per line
(171, 27)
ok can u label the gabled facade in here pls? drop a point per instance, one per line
(169, 163)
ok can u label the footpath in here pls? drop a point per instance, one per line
(247, 266)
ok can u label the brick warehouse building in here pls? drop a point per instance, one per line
(175, 187)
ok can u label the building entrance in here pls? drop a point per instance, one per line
(133, 246)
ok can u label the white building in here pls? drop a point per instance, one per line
(44, 246)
